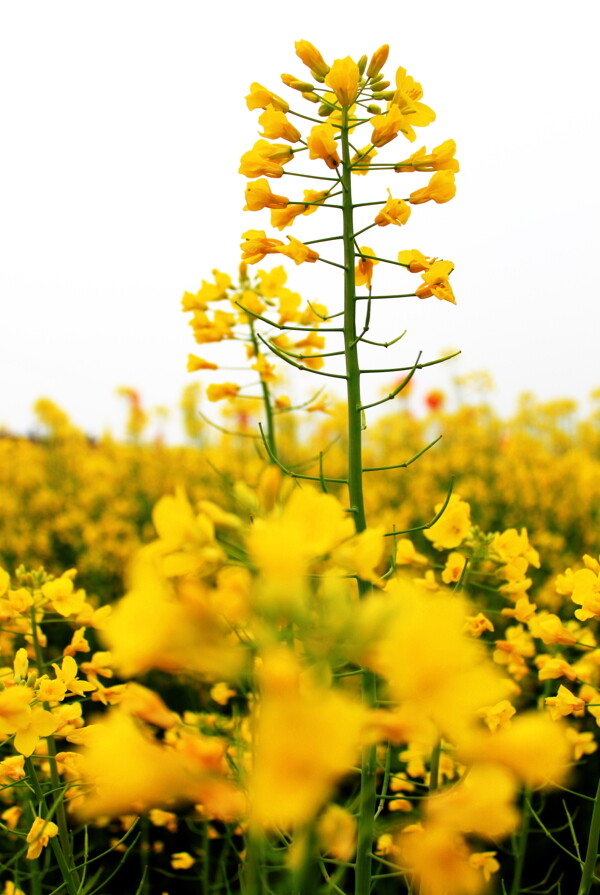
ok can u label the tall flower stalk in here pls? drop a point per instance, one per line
(349, 93)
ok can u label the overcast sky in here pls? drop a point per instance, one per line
(123, 125)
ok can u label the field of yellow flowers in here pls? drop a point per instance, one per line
(316, 649)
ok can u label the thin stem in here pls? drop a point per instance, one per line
(266, 395)
(368, 790)
(591, 854)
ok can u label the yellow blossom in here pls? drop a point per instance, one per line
(361, 160)
(486, 862)
(275, 125)
(436, 282)
(414, 260)
(311, 57)
(452, 527)
(321, 144)
(265, 159)
(297, 251)
(182, 860)
(256, 245)
(581, 742)
(440, 159)
(258, 196)
(218, 391)
(259, 98)
(564, 703)
(438, 858)
(497, 715)
(336, 832)
(395, 211)
(307, 737)
(39, 835)
(342, 78)
(441, 188)
(364, 269)
(454, 567)
(197, 363)
(387, 126)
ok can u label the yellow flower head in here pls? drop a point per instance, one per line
(321, 144)
(259, 98)
(311, 57)
(343, 78)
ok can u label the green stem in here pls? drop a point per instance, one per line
(270, 433)
(368, 790)
(68, 872)
(522, 845)
(57, 785)
(591, 854)
(434, 772)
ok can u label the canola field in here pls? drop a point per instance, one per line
(333, 646)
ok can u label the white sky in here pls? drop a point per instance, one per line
(123, 124)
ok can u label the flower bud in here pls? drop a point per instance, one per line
(296, 83)
(374, 109)
(386, 94)
(378, 60)
(362, 64)
(382, 85)
(311, 97)
(317, 76)
(323, 110)
(311, 57)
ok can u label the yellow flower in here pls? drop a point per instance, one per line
(395, 211)
(218, 391)
(182, 860)
(582, 743)
(387, 126)
(321, 144)
(258, 195)
(63, 596)
(414, 260)
(441, 188)
(378, 60)
(407, 96)
(343, 78)
(497, 715)
(440, 159)
(259, 98)
(256, 245)
(297, 251)
(517, 746)
(438, 858)
(453, 568)
(481, 803)
(39, 835)
(361, 160)
(436, 282)
(476, 625)
(197, 363)
(265, 370)
(336, 831)
(363, 272)
(453, 526)
(311, 57)
(564, 703)
(275, 125)
(265, 159)
(118, 768)
(307, 737)
(283, 217)
(486, 862)
(586, 592)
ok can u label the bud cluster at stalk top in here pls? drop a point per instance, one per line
(346, 97)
